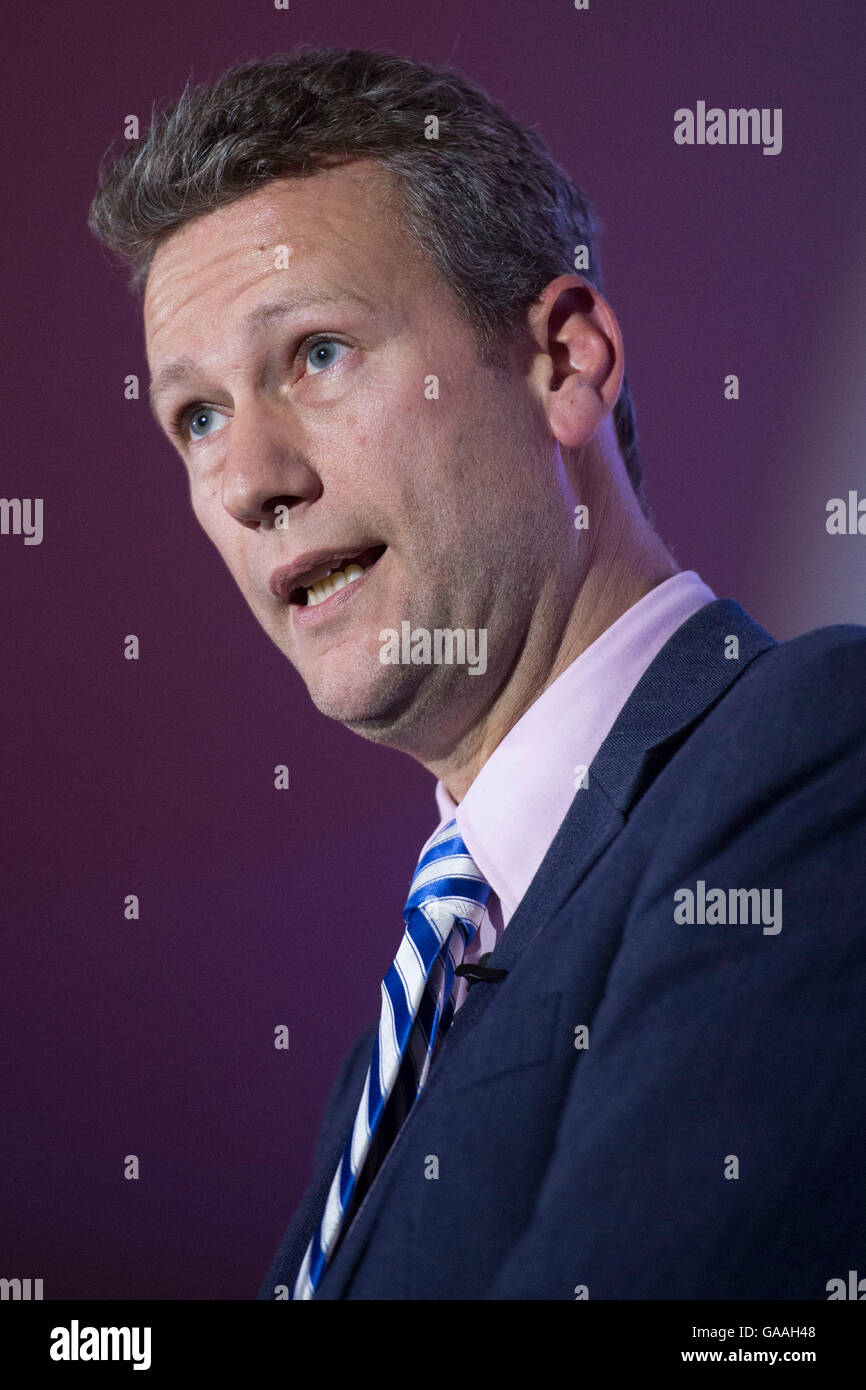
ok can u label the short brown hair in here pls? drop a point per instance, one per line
(485, 200)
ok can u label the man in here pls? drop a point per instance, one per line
(618, 1053)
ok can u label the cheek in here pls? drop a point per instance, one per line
(206, 503)
(218, 526)
(206, 519)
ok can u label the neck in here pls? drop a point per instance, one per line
(625, 561)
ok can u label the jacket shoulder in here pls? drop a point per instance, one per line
(813, 687)
(823, 658)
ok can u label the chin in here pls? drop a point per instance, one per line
(371, 707)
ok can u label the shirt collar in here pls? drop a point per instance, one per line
(510, 814)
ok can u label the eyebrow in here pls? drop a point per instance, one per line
(182, 368)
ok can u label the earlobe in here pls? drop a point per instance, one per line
(574, 411)
(581, 358)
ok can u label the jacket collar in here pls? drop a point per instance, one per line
(688, 676)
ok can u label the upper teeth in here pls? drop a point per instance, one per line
(333, 581)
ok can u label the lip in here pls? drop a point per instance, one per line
(304, 616)
(287, 578)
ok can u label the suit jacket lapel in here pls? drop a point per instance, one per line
(687, 677)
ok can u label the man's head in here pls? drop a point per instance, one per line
(370, 329)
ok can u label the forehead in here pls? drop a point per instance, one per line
(334, 230)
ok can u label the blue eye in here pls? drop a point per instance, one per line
(319, 354)
(198, 421)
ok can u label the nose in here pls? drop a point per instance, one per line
(265, 466)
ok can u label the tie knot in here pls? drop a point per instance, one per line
(448, 884)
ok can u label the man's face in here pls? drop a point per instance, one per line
(297, 333)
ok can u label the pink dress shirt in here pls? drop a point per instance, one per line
(510, 814)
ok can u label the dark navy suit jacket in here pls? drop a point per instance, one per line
(708, 1140)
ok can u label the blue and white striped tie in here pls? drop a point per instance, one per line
(442, 914)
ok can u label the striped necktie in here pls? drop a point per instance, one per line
(443, 911)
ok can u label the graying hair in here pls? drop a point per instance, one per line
(486, 201)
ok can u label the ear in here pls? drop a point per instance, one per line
(578, 369)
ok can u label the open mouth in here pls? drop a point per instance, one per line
(345, 570)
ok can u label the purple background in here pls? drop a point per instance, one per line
(156, 777)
